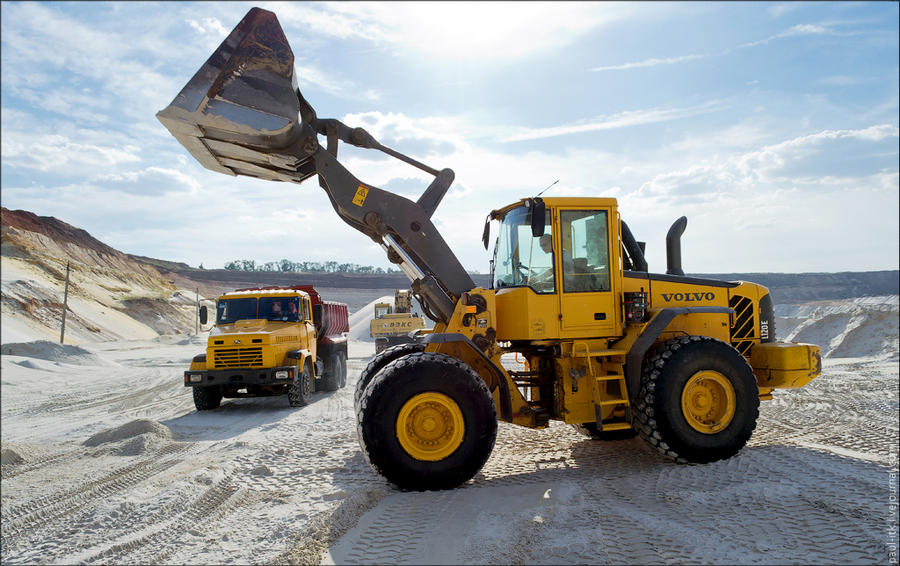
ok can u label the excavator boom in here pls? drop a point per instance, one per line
(243, 114)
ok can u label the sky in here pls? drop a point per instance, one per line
(772, 126)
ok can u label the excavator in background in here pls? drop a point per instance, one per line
(610, 347)
(393, 323)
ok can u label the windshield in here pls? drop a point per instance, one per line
(279, 308)
(269, 308)
(232, 310)
(521, 259)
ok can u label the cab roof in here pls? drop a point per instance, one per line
(264, 293)
(551, 202)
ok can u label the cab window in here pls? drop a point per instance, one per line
(585, 251)
(520, 259)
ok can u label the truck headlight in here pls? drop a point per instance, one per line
(196, 377)
(282, 374)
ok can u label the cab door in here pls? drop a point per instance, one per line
(588, 299)
(307, 327)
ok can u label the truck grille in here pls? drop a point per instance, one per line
(237, 357)
(742, 324)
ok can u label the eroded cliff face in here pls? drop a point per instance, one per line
(111, 295)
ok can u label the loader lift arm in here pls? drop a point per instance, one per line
(243, 114)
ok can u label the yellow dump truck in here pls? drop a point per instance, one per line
(393, 323)
(271, 341)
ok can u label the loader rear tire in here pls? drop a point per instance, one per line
(427, 422)
(698, 401)
(207, 398)
(378, 362)
(591, 430)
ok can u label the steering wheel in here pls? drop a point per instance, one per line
(523, 272)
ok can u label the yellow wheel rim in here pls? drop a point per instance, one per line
(708, 401)
(430, 426)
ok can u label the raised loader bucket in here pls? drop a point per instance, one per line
(242, 113)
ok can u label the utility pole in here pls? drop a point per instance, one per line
(62, 332)
(197, 314)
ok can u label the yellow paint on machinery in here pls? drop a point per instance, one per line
(607, 345)
(782, 365)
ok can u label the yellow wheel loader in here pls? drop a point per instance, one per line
(393, 323)
(610, 347)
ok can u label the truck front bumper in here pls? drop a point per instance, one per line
(239, 376)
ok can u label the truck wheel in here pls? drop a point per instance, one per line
(300, 388)
(698, 400)
(332, 379)
(343, 360)
(427, 421)
(591, 430)
(207, 398)
(379, 361)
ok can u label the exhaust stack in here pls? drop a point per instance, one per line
(673, 247)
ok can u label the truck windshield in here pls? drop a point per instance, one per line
(521, 259)
(232, 310)
(269, 308)
(279, 308)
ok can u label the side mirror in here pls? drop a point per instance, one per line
(538, 217)
(203, 314)
(317, 315)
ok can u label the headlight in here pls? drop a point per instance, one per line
(282, 374)
(196, 377)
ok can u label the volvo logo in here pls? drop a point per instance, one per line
(688, 297)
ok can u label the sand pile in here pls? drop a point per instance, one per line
(132, 438)
(359, 321)
(9, 456)
(864, 327)
(53, 352)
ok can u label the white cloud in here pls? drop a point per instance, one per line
(794, 31)
(209, 25)
(59, 153)
(457, 30)
(620, 120)
(652, 62)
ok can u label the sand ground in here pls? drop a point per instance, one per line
(105, 460)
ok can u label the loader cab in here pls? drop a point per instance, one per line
(566, 278)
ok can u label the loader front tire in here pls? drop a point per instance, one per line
(380, 360)
(427, 422)
(698, 400)
(207, 398)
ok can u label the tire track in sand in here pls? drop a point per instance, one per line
(23, 523)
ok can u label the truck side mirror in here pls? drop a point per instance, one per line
(538, 217)
(317, 315)
(203, 314)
